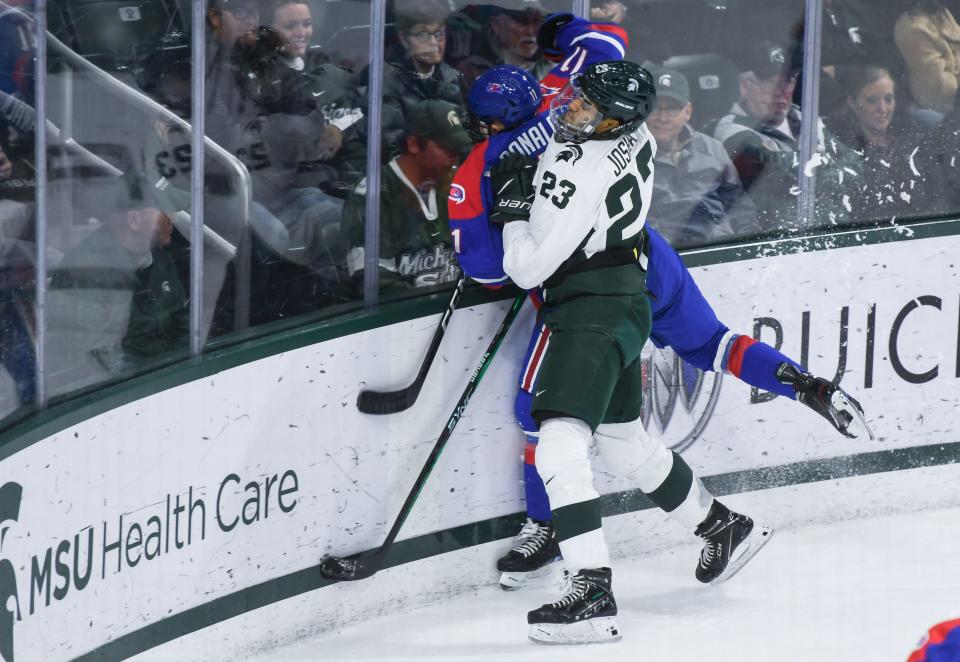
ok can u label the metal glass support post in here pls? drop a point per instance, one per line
(581, 8)
(371, 242)
(40, 145)
(198, 129)
(812, 22)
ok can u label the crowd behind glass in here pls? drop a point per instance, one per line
(287, 98)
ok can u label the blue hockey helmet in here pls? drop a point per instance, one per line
(505, 93)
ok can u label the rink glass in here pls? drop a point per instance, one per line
(101, 277)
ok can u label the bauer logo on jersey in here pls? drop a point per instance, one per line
(571, 154)
(458, 194)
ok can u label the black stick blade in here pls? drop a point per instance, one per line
(387, 402)
(349, 569)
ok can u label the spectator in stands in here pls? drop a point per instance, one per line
(610, 11)
(513, 36)
(490, 34)
(334, 92)
(292, 19)
(901, 173)
(92, 290)
(17, 188)
(231, 19)
(420, 72)
(761, 135)
(159, 322)
(928, 37)
(227, 21)
(414, 238)
(6, 166)
(282, 128)
(17, 282)
(697, 196)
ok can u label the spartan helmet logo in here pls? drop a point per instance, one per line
(453, 119)
(666, 80)
(633, 85)
(572, 154)
(777, 56)
(668, 382)
(10, 497)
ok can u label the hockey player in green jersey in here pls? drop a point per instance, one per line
(575, 227)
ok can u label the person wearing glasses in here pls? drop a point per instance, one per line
(761, 134)
(227, 22)
(513, 36)
(419, 73)
(697, 195)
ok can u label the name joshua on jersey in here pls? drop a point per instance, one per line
(622, 154)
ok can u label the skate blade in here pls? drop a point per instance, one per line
(591, 631)
(514, 581)
(753, 543)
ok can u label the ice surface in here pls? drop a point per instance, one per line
(857, 571)
(854, 590)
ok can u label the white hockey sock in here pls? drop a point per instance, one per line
(630, 451)
(564, 466)
(588, 550)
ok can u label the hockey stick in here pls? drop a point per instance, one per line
(391, 402)
(361, 566)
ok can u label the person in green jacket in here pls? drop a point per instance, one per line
(415, 246)
(118, 296)
(159, 312)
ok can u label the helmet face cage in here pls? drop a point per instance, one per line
(478, 129)
(573, 115)
(504, 93)
(621, 90)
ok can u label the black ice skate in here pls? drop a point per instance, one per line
(732, 540)
(534, 549)
(585, 615)
(827, 399)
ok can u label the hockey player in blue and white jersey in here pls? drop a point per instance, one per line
(506, 108)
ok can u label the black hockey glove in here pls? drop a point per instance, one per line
(547, 36)
(827, 399)
(511, 180)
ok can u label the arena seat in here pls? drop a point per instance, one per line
(714, 85)
(107, 32)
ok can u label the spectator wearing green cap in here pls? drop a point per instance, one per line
(697, 195)
(414, 238)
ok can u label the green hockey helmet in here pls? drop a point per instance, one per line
(617, 90)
